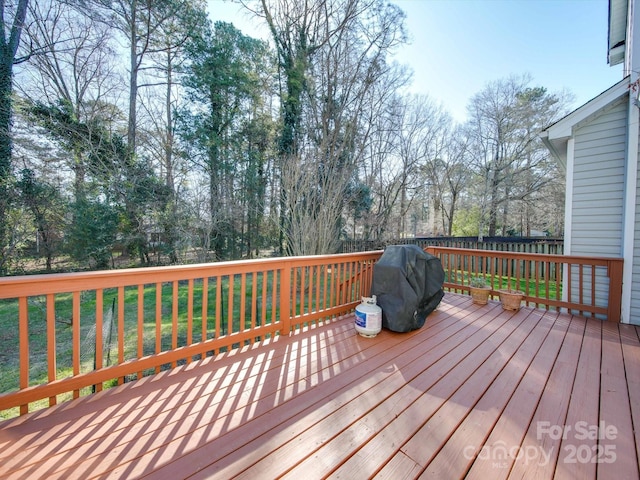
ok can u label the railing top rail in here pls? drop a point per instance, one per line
(42, 284)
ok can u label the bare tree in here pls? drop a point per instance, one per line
(409, 136)
(505, 118)
(380, 168)
(139, 22)
(72, 67)
(161, 99)
(332, 53)
(421, 139)
(298, 30)
(314, 203)
(456, 173)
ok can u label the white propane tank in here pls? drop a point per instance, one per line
(368, 317)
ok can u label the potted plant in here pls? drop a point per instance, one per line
(479, 290)
(511, 299)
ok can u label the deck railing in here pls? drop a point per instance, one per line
(72, 334)
(590, 286)
(67, 335)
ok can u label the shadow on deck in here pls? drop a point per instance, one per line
(477, 392)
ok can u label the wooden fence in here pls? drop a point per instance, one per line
(541, 245)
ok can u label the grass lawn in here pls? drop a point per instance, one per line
(530, 287)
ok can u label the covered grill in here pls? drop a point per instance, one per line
(407, 282)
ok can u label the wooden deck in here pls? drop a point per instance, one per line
(478, 393)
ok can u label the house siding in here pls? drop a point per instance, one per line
(598, 184)
(598, 191)
(634, 310)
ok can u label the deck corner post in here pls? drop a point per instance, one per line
(285, 299)
(614, 306)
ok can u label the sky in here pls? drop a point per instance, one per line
(458, 46)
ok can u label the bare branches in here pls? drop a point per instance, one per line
(505, 120)
(76, 63)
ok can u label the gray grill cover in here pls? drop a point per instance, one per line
(407, 282)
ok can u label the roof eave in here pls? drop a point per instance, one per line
(556, 135)
(617, 34)
(557, 147)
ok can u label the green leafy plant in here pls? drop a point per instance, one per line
(478, 282)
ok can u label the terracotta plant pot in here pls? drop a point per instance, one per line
(511, 299)
(480, 295)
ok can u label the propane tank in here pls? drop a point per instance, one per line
(368, 317)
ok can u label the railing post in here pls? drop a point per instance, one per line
(614, 269)
(285, 299)
(23, 327)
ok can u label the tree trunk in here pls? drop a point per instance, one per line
(5, 151)
(493, 204)
(8, 49)
(133, 83)
(168, 147)
(170, 227)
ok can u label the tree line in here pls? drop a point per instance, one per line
(141, 130)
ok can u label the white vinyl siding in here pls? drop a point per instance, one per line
(598, 185)
(634, 310)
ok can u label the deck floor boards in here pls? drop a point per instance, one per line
(614, 413)
(478, 392)
(584, 404)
